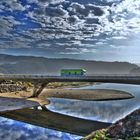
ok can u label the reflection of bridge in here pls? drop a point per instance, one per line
(57, 121)
(40, 81)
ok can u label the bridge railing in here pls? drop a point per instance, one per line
(35, 76)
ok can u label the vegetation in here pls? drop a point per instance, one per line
(26, 84)
(97, 135)
(101, 135)
(67, 84)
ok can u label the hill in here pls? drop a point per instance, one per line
(135, 70)
(41, 65)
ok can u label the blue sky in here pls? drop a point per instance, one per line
(83, 29)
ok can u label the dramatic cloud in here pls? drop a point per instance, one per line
(11, 5)
(55, 25)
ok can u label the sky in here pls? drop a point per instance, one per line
(106, 30)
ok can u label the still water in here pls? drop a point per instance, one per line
(108, 111)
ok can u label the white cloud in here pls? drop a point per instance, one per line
(66, 23)
(6, 24)
(11, 5)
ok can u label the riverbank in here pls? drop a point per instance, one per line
(61, 90)
(127, 128)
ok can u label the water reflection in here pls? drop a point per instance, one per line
(15, 130)
(108, 111)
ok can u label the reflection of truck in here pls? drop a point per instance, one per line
(73, 72)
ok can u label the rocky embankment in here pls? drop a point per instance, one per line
(10, 86)
(127, 128)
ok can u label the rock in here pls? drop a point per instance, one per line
(126, 127)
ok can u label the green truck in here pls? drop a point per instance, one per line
(73, 72)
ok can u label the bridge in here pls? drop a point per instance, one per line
(40, 81)
(125, 79)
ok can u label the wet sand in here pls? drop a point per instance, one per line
(92, 95)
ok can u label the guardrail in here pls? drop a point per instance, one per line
(38, 75)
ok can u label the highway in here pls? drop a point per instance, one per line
(125, 79)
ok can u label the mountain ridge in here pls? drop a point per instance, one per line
(42, 65)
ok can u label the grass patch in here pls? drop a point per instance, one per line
(101, 135)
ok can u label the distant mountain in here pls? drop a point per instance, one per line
(138, 64)
(40, 65)
(135, 71)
